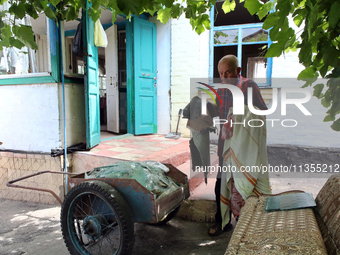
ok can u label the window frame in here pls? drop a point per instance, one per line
(239, 45)
(53, 58)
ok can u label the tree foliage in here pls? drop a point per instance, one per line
(13, 34)
(317, 40)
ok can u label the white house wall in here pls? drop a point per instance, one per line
(74, 112)
(29, 117)
(311, 130)
(189, 59)
(163, 75)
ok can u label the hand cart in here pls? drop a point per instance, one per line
(98, 215)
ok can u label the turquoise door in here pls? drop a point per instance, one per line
(144, 55)
(91, 83)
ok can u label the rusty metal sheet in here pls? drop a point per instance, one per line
(142, 202)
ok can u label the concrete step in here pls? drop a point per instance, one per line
(175, 155)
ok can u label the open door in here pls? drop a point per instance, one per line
(112, 92)
(145, 76)
(91, 83)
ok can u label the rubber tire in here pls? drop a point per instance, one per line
(112, 197)
(169, 216)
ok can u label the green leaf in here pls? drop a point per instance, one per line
(329, 118)
(275, 50)
(335, 108)
(188, 12)
(273, 33)
(168, 3)
(71, 14)
(202, 8)
(336, 125)
(49, 13)
(94, 14)
(326, 103)
(31, 11)
(54, 2)
(114, 17)
(6, 34)
(333, 15)
(16, 43)
(176, 11)
(18, 10)
(323, 70)
(6, 31)
(330, 54)
(265, 9)
(164, 15)
(228, 6)
(113, 5)
(206, 21)
(95, 5)
(318, 89)
(25, 35)
(298, 19)
(309, 72)
(199, 29)
(335, 73)
(38, 6)
(305, 54)
(253, 6)
(284, 7)
(270, 21)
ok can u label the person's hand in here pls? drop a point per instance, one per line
(227, 129)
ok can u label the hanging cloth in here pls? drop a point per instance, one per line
(77, 44)
(100, 38)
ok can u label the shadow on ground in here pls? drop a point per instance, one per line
(30, 228)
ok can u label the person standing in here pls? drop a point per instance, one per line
(229, 72)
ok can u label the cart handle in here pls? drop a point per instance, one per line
(10, 183)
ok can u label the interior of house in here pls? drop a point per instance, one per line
(252, 50)
(75, 66)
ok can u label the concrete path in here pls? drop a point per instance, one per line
(34, 229)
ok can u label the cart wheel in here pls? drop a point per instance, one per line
(169, 216)
(95, 219)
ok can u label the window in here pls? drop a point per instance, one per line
(240, 34)
(26, 61)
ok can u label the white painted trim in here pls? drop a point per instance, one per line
(12, 76)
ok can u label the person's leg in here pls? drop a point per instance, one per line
(217, 228)
(218, 215)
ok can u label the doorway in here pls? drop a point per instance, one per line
(108, 74)
(112, 86)
(120, 81)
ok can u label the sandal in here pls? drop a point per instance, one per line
(216, 230)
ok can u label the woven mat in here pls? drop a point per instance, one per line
(280, 232)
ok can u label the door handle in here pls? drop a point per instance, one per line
(155, 78)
